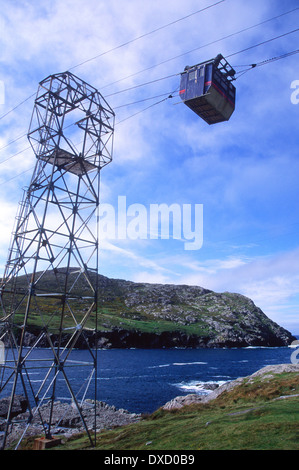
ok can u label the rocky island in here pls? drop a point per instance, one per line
(142, 315)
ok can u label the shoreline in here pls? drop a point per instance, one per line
(136, 339)
(67, 421)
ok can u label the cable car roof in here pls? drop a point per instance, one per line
(220, 62)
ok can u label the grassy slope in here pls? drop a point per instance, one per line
(148, 308)
(248, 417)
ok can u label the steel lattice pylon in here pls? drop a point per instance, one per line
(51, 275)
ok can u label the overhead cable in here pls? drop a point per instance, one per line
(145, 109)
(274, 59)
(230, 55)
(13, 109)
(263, 42)
(201, 47)
(125, 44)
(172, 58)
(242, 72)
(264, 62)
(147, 34)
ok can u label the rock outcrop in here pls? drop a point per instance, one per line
(66, 419)
(265, 373)
(19, 406)
(141, 315)
(192, 316)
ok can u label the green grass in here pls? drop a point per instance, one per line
(146, 314)
(114, 315)
(248, 418)
(268, 427)
(149, 325)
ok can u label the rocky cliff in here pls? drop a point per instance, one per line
(145, 315)
(155, 315)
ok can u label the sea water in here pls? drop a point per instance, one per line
(142, 380)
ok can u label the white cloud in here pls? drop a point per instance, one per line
(270, 281)
(243, 171)
(7, 219)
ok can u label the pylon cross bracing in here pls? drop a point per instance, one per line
(50, 283)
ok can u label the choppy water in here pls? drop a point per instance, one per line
(143, 380)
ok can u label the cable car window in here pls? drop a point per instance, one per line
(192, 75)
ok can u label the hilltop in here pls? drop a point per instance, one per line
(168, 315)
(144, 315)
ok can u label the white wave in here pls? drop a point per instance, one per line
(187, 363)
(261, 347)
(177, 364)
(65, 399)
(223, 376)
(201, 388)
(160, 365)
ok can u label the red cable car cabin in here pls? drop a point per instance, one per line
(207, 89)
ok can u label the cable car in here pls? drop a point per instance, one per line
(207, 89)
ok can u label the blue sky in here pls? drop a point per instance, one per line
(244, 172)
